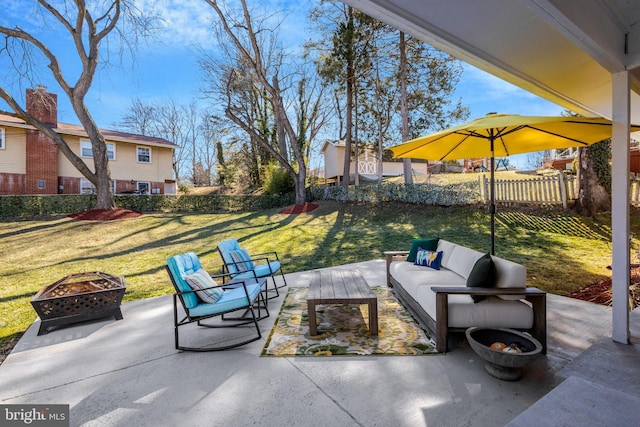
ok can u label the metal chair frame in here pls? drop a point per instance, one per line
(240, 321)
(254, 258)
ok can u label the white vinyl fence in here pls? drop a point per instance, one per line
(558, 189)
(546, 190)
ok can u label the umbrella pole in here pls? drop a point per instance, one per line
(492, 202)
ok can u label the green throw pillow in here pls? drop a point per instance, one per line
(483, 275)
(426, 244)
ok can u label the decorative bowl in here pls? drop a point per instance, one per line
(505, 365)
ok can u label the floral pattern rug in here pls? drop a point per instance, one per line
(343, 330)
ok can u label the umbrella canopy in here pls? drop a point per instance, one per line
(511, 133)
(506, 135)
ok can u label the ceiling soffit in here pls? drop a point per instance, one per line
(564, 51)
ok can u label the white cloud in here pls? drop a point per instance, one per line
(184, 23)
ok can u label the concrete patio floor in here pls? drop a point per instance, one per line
(127, 373)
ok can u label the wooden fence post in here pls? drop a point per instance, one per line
(483, 187)
(563, 189)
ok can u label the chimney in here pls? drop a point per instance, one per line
(43, 105)
(41, 152)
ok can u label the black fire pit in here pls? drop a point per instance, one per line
(506, 351)
(77, 298)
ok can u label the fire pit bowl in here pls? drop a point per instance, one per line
(503, 364)
(79, 297)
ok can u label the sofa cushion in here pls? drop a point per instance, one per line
(430, 244)
(510, 275)
(482, 275)
(461, 259)
(429, 259)
(411, 276)
(231, 299)
(492, 312)
(446, 248)
(181, 266)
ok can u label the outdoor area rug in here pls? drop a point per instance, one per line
(344, 329)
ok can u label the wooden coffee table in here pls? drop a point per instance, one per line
(340, 287)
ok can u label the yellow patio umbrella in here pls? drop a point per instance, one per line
(505, 135)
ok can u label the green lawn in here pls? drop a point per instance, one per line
(562, 252)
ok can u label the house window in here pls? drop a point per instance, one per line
(144, 155)
(86, 187)
(87, 151)
(2, 146)
(143, 188)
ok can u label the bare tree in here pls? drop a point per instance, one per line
(140, 119)
(259, 69)
(171, 124)
(178, 123)
(537, 159)
(213, 131)
(84, 29)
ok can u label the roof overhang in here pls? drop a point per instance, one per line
(563, 51)
(78, 131)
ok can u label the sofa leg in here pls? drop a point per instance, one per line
(539, 305)
(442, 322)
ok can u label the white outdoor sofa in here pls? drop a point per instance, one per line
(443, 303)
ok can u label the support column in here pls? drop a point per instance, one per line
(620, 206)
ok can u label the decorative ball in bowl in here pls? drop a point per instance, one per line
(506, 351)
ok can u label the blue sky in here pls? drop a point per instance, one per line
(166, 68)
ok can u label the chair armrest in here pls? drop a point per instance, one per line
(222, 275)
(265, 253)
(395, 253)
(390, 257)
(452, 290)
(225, 269)
(229, 285)
(191, 291)
(259, 258)
(395, 256)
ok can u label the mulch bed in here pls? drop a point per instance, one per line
(105, 214)
(6, 348)
(600, 291)
(298, 209)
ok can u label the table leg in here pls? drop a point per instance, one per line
(373, 316)
(313, 327)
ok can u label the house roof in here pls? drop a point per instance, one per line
(332, 143)
(564, 51)
(77, 130)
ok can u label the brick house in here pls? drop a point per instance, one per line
(30, 163)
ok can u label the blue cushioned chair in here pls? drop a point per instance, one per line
(242, 265)
(237, 295)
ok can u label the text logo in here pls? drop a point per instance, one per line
(34, 415)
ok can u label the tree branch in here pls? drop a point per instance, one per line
(62, 145)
